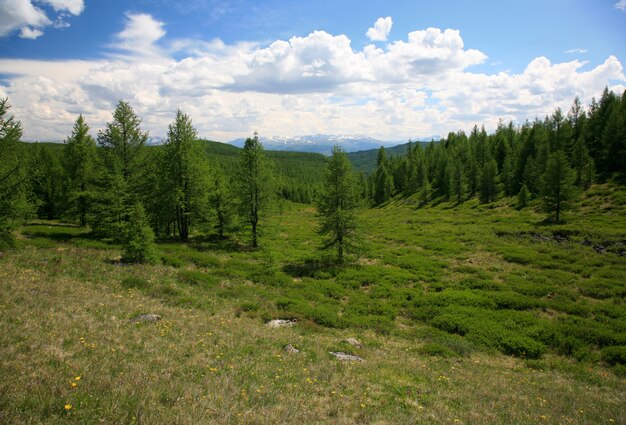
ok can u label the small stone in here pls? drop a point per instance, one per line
(152, 318)
(346, 357)
(354, 342)
(279, 323)
(291, 349)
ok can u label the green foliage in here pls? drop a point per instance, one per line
(111, 207)
(488, 183)
(221, 202)
(135, 282)
(557, 186)
(139, 246)
(383, 184)
(79, 162)
(522, 197)
(14, 203)
(615, 355)
(337, 204)
(47, 182)
(120, 182)
(183, 176)
(124, 143)
(254, 185)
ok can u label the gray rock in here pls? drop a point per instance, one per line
(152, 318)
(346, 357)
(354, 342)
(279, 323)
(291, 349)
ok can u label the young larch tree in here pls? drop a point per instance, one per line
(337, 204)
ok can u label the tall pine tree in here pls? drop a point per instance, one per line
(557, 186)
(337, 204)
(79, 162)
(14, 181)
(186, 174)
(254, 185)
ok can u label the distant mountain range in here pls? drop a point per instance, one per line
(320, 143)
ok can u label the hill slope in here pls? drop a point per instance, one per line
(450, 304)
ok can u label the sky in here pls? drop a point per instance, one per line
(394, 70)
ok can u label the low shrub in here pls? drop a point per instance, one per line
(135, 282)
(615, 355)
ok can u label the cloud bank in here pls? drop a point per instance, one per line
(319, 83)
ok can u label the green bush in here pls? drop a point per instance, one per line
(195, 277)
(615, 355)
(451, 323)
(139, 244)
(172, 260)
(513, 301)
(436, 350)
(135, 282)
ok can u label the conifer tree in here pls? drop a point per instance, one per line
(425, 188)
(14, 204)
(457, 181)
(488, 183)
(221, 202)
(79, 164)
(186, 174)
(337, 204)
(254, 184)
(124, 142)
(583, 164)
(139, 242)
(47, 182)
(123, 145)
(522, 197)
(557, 185)
(383, 184)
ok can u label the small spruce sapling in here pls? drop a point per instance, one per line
(139, 245)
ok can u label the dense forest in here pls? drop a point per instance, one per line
(195, 186)
(553, 158)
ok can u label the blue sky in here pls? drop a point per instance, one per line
(392, 70)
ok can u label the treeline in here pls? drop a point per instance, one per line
(116, 183)
(549, 159)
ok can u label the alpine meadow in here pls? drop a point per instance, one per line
(150, 274)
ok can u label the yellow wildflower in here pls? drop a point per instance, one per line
(68, 407)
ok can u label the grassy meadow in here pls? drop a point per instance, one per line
(470, 314)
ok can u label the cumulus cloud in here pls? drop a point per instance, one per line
(381, 29)
(140, 34)
(16, 14)
(317, 83)
(30, 20)
(621, 5)
(317, 62)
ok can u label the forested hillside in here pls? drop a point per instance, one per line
(554, 158)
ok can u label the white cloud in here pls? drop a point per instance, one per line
(621, 5)
(30, 33)
(139, 36)
(15, 14)
(318, 83)
(579, 50)
(317, 62)
(30, 20)
(75, 7)
(381, 29)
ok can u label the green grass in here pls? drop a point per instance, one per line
(468, 314)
